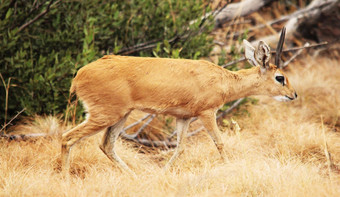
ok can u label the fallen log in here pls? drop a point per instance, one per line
(234, 10)
(312, 14)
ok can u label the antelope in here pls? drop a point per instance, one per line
(112, 86)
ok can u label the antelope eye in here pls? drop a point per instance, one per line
(280, 79)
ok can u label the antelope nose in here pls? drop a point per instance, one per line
(295, 95)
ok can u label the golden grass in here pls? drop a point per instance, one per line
(279, 151)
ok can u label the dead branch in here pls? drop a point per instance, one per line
(9, 122)
(310, 13)
(196, 131)
(283, 51)
(136, 123)
(303, 47)
(223, 113)
(281, 19)
(233, 106)
(294, 56)
(233, 62)
(153, 43)
(187, 34)
(133, 136)
(242, 8)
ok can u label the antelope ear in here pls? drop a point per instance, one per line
(262, 54)
(249, 53)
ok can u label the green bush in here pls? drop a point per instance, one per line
(39, 60)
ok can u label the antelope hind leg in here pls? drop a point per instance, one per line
(182, 126)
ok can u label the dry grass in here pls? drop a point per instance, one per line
(279, 151)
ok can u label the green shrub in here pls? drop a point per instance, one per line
(40, 60)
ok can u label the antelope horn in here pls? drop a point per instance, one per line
(280, 47)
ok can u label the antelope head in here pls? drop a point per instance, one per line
(273, 81)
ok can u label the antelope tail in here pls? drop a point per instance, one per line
(73, 88)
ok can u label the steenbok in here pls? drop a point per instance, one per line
(113, 86)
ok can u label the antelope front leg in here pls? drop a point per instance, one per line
(209, 120)
(182, 126)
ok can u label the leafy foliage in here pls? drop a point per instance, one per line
(39, 55)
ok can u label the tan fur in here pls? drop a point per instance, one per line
(113, 86)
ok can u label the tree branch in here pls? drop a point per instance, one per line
(281, 19)
(242, 8)
(310, 13)
(43, 13)
(12, 120)
(283, 51)
(294, 56)
(133, 136)
(187, 34)
(233, 106)
(136, 123)
(234, 62)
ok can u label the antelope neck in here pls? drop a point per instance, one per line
(241, 83)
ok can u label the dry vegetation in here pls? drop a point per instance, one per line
(279, 151)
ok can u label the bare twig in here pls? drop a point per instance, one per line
(135, 135)
(147, 45)
(238, 23)
(316, 10)
(195, 131)
(226, 111)
(9, 122)
(36, 5)
(22, 27)
(218, 42)
(282, 18)
(233, 62)
(304, 47)
(213, 13)
(136, 123)
(139, 47)
(153, 43)
(146, 124)
(175, 131)
(294, 56)
(283, 51)
(233, 106)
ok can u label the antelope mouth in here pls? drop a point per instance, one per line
(290, 98)
(283, 98)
